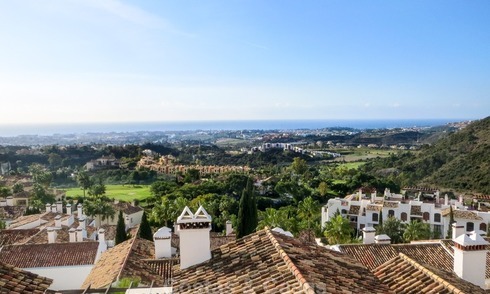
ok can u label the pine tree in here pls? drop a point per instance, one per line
(247, 212)
(121, 235)
(145, 229)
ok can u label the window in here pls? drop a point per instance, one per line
(426, 216)
(470, 226)
(483, 227)
(437, 217)
(343, 211)
(391, 213)
(375, 217)
(404, 216)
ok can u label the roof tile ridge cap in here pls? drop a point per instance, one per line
(292, 267)
(127, 256)
(431, 274)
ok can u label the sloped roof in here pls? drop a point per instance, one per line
(463, 214)
(16, 280)
(405, 275)
(126, 208)
(374, 255)
(26, 219)
(49, 255)
(10, 237)
(124, 260)
(270, 262)
(11, 212)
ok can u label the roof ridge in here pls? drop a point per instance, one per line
(431, 274)
(127, 256)
(446, 248)
(289, 263)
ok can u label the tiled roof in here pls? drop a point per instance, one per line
(390, 204)
(49, 255)
(127, 208)
(24, 220)
(421, 189)
(463, 214)
(374, 255)
(9, 237)
(270, 262)
(415, 210)
(216, 240)
(11, 212)
(15, 280)
(354, 209)
(372, 207)
(405, 275)
(127, 259)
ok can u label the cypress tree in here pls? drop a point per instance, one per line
(247, 212)
(121, 235)
(451, 221)
(145, 229)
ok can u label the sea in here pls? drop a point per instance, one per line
(78, 128)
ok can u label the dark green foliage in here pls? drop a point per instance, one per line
(451, 221)
(121, 235)
(145, 229)
(247, 212)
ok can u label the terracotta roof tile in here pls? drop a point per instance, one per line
(374, 255)
(10, 237)
(11, 212)
(269, 262)
(463, 214)
(126, 208)
(49, 255)
(23, 220)
(449, 243)
(415, 210)
(354, 209)
(128, 259)
(16, 280)
(372, 207)
(405, 275)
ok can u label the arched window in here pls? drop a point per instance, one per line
(426, 216)
(470, 226)
(437, 217)
(391, 213)
(483, 227)
(343, 211)
(375, 217)
(404, 216)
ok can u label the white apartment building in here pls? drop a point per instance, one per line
(364, 207)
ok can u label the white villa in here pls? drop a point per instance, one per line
(364, 207)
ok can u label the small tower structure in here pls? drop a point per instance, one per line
(368, 234)
(162, 239)
(194, 237)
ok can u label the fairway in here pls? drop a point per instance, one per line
(120, 192)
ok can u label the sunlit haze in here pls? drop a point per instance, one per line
(129, 61)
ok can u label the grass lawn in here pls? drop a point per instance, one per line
(352, 165)
(124, 193)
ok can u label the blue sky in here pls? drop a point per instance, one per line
(115, 60)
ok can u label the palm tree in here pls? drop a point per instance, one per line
(338, 230)
(84, 181)
(308, 211)
(416, 230)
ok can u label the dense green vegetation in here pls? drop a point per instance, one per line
(119, 192)
(460, 161)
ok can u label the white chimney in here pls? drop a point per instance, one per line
(194, 237)
(72, 233)
(68, 209)
(51, 235)
(59, 207)
(470, 258)
(79, 210)
(162, 239)
(102, 242)
(53, 208)
(48, 207)
(382, 239)
(229, 228)
(57, 221)
(82, 223)
(368, 234)
(458, 230)
(10, 201)
(446, 200)
(79, 234)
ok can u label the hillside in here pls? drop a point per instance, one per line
(460, 161)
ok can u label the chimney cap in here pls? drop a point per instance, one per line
(57, 217)
(68, 205)
(47, 204)
(470, 239)
(382, 237)
(72, 230)
(79, 205)
(200, 216)
(368, 229)
(101, 231)
(163, 233)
